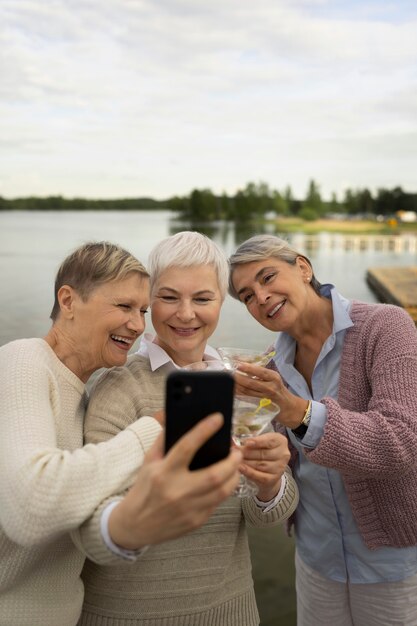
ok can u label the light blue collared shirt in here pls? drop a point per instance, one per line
(328, 538)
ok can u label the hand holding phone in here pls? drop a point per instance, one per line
(191, 396)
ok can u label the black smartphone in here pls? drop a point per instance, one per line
(191, 396)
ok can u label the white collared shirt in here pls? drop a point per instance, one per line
(158, 357)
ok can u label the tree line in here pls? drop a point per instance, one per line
(258, 200)
(58, 203)
(255, 201)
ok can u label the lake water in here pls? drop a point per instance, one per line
(33, 244)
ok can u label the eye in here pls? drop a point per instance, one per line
(124, 306)
(168, 298)
(201, 300)
(144, 311)
(269, 277)
(247, 298)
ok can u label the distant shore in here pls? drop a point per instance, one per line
(350, 226)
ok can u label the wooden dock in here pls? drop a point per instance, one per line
(395, 285)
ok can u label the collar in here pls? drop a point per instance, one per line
(341, 321)
(158, 357)
(341, 308)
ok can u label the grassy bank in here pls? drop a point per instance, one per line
(272, 554)
(348, 227)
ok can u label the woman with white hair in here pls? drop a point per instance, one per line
(205, 578)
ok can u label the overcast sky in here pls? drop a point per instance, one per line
(130, 98)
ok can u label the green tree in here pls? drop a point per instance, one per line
(385, 203)
(308, 214)
(365, 202)
(350, 202)
(313, 199)
(292, 207)
(203, 205)
(279, 204)
(334, 206)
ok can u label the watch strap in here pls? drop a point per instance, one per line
(301, 430)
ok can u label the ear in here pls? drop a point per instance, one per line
(305, 269)
(66, 299)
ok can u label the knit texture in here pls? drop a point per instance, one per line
(48, 486)
(201, 579)
(371, 432)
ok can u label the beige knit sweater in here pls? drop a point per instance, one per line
(48, 485)
(202, 579)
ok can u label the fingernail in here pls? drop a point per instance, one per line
(215, 418)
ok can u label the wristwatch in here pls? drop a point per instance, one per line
(301, 430)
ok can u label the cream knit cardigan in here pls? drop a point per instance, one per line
(49, 485)
(201, 579)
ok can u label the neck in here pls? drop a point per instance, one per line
(65, 350)
(316, 326)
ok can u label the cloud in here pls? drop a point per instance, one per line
(157, 97)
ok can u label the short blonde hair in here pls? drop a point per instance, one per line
(92, 265)
(188, 249)
(262, 247)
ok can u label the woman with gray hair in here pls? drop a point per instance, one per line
(346, 382)
(204, 578)
(49, 482)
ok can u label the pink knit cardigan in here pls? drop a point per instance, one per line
(371, 432)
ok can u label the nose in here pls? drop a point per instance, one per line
(262, 294)
(136, 321)
(185, 311)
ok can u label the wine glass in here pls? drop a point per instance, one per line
(233, 356)
(251, 417)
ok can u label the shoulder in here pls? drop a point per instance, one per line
(122, 375)
(129, 380)
(17, 346)
(385, 323)
(380, 314)
(28, 364)
(25, 351)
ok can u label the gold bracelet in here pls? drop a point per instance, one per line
(301, 429)
(307, 415)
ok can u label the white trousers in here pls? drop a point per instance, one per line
(323, 602)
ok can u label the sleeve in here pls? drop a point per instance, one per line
(90, 540)
(46, 490)
(128, 555)
(379, 439)
(283, 509)
(316, 426)
(115, 402)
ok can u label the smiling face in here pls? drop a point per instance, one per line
(106, 325)
(185, 308)
(274, 292)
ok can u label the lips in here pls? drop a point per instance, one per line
(184, 332)
(275, 309)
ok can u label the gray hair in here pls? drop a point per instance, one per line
(262, 247)
(92, 265)
(188, 249)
